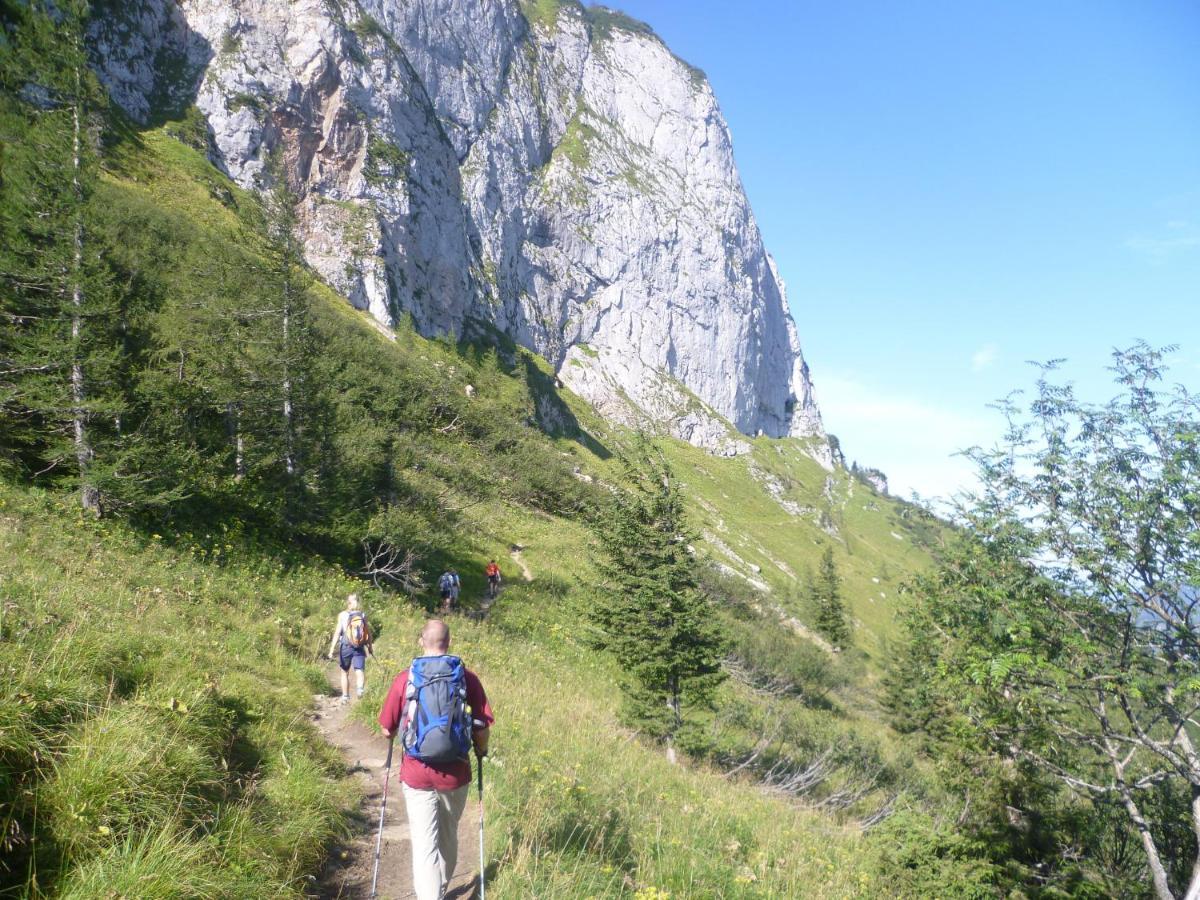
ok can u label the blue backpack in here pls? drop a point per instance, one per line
(436, 727)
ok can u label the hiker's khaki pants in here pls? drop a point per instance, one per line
(433, 828)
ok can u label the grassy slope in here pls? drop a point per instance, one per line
(151, 692)
(878, 541)
(198, 661)
(870, 539)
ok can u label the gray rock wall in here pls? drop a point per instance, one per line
(562, 176)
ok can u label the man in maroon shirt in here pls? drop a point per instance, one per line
(435, 795)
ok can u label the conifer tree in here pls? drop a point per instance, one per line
(650, 614)
(149, 450)
(827, 602)
(59, 398)
(213, 361)
(284, 406)
(227, 388)
(34, 210)
(286, 266)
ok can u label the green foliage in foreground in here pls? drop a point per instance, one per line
(1053, 656)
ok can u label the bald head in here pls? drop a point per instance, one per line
(435, 636)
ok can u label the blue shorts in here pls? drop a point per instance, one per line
(352, 656)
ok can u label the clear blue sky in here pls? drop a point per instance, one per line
(953, 188)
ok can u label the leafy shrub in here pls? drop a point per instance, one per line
(920, 858)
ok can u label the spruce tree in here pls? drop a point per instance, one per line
(229, 391)
(286, 267)
(35, 215)
(827, 602)
(149, 445)
(650, 613)
(58, 393)
(283, 356)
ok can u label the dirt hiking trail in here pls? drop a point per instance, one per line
(347, 872)
(516, 557)
(485, 602)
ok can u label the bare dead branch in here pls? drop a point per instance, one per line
(386, 564)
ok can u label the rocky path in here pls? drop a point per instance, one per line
(347, 873)
(516, 557)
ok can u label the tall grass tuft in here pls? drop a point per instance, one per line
(166, 863)
(126, 771)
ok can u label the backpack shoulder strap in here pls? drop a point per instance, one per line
(410, 701)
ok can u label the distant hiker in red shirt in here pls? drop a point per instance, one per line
(439, 710)
(493, 577)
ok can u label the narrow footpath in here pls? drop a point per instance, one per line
(347, 873)
(516, 557)
(486, 602)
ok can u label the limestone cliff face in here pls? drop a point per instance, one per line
(550, 169)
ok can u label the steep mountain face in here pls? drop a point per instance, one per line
(549, 169)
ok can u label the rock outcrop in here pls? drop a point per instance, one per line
(549, 169)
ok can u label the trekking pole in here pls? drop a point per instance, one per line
(387, 777)
(481, 856)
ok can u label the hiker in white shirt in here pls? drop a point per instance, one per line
(352, 639)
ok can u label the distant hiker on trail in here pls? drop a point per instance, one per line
(439, 710)
(352, 639)
(455, 588)
(493, 578)
(446, 589)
